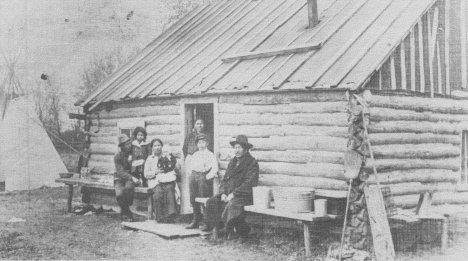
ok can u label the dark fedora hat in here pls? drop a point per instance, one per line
(242, 140)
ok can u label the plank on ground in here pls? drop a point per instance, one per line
(164, 230)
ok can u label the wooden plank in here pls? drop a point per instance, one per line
(439, 70)
(382, 238)
(431, 49)
(306, 229)
(463, 44)
(308, 216)
(425, 201)
(422, 80)
(272, 52)
(95, 184)
(392, 72)
(164, 230)
(403, 64)
(447, 47)
(312, 13)
(413, 60)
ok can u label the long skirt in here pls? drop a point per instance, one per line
(164, 201)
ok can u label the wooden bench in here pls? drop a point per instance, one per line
(98, 189)
(307, 219)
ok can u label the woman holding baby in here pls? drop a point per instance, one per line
(161, 171)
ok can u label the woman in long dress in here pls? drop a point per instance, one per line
(165, 193)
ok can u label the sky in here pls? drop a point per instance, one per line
(60, 37)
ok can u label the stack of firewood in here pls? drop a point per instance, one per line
(357, 233)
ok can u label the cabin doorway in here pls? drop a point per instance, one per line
(192, 112)
(204, 111)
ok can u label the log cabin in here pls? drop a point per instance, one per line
(281, 71)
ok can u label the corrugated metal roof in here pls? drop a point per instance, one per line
(357, 35)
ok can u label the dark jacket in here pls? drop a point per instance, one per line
(240, 179)
(166, 164)
(122, 166)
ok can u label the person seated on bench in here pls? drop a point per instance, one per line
(163, 178)
(124, 182)
(235, 191)
(204, 168)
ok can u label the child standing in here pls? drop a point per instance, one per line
(139, 154)
(204, 167)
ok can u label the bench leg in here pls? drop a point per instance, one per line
(215, 233)
(70, 198)
(444, 236)
(150, 207)
(307, 239)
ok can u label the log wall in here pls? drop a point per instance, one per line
(298, 142)
(163, 121)
(416, 143)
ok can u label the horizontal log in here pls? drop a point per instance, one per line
(416, 175)
(412, 138)
(139, 112)
(422, 151)
(315, 143)
(262, 131)
(307, 119)
(102, 158)
(440, 198)
(99, 167)
(387, 114)
(103, 130)
(319, 170)
(272, 52)
(173, 140)
(288, 108)
(291, 156)
(104, 149)
(436, 105)
(280, 97)
(417, 187)
(297, 181)
(386, 165)
(154, 130)
(150, 120)
(417, 127)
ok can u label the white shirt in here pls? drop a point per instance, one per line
(204, 160)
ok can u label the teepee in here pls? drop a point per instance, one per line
(28, 159)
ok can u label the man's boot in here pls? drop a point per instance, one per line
(195, 222)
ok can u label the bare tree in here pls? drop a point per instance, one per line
(100, 67)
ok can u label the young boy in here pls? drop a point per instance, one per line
(204, 168)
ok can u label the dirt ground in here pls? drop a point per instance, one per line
(36, 225)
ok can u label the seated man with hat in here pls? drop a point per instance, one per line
(235, 191)
(124, 181)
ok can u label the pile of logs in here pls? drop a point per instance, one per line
(357, 232)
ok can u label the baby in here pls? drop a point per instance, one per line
(167, 163)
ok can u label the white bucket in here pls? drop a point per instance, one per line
(261, 197)
(320, 207)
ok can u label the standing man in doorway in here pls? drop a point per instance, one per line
(124, 182)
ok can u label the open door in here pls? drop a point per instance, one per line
(192, 112)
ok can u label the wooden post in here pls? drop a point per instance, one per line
(215, 233)
(70, 198)
(413, 60)
(307, 239)
(447, 47)
(463, 42)
(313, 13)
(392, 72)
(444, 236)
(422, 80)
(439, 71)
(380, 79)
(403, 64)
(425, 202)
(151, 206)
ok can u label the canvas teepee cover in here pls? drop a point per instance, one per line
(28, 159)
